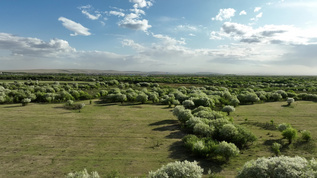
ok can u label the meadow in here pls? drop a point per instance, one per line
(130, 139)
(52, 125)
(47, 140)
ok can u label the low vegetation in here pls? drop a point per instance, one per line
(222, 122)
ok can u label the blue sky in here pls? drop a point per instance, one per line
(227, 36)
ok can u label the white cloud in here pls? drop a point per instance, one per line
(257, 9)
(131, 43)
(257, 17)
(33, 46)
(268, 34)
(224, 14)
(102, 23)
(133, 20)
(84, 10)
(117, 13)
(75, 27)
(90, 16)
(168, 40)
(170, 54)
(135, 24)
(186, 28)
(243, 12)
(141, 3)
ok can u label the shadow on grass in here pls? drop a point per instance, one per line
(308, 146)
(13, 106)
(176, 135)
(105, 104)
(265, 126)
(271, 141)
(164, 122)
(59, 107)
(168, 128)
(179, 152)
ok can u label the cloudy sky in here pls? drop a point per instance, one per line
(227, 36)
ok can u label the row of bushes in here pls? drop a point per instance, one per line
(212, 133)
(273, 167)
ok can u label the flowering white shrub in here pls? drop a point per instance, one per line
(26, 101)
(178, 169)
(228, 109)
(290, 101)
(83, 174)
(279, 167)
(283, 127)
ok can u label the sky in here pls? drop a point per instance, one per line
(267, 37)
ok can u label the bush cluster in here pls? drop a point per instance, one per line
(178, 169)
(277, 167)
(214, 133)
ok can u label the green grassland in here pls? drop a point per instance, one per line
(45, 140)
(48, 141)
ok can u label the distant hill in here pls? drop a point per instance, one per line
(95, 71)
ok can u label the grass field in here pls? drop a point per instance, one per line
(45, 140)
(48, 141)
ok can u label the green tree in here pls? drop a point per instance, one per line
(227, 150)
(290, 134)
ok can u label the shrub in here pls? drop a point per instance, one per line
(243, 137)
(189, 141)
(69, 103)
(276, 148)
(283, 127)
(178, 169)
(203, 101)
(142, 98)
(192, 122)
(227, 150)
(201, 108)
(228, 109)
(209, 114)
(177, 110)
(228, 132)
(218, 123)
(306, 135)
(25, 101)
(188, 104)
(83, 174)
(290, 101)
(276, 167)
(290, 134)
(203, 129)
(234, 101)
(184, 115)
(199, 148)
